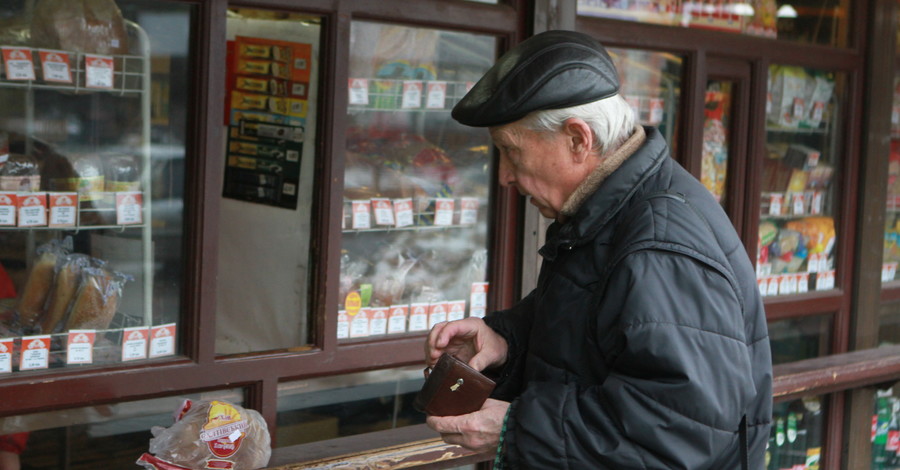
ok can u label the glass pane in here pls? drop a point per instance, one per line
(800, 338)
(886, 431)
(797, 435)
(92, 149)
(417, 183)
(319, 409)
(264, 237)
(823, 23)
(892, 214)
(799, 200)
(651, 83)
(102, 436)
(889, 323)
(716, 142)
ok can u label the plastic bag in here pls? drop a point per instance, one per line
(210, 434)
(91, 26)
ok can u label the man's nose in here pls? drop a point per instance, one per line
(505, 176)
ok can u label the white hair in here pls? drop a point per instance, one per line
(611, 120)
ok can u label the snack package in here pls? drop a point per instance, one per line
(819, 91)
(33, 300)
(788, 95)
(210, 434)
(90, 26)
(818, 232)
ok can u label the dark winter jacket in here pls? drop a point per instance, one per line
(645, 342)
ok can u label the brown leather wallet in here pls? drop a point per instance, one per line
(452, 388)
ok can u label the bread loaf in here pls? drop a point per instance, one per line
(96, 300)
(40, 280)
(65, 286)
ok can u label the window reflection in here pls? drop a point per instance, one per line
(800, 338)
(793, 20)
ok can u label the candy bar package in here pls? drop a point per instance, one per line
(210, 434)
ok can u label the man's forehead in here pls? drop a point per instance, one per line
(507, 133)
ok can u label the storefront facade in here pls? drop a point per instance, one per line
(268, 203)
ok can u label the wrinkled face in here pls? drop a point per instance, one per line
(538, 165)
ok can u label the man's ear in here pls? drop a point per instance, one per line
(579, 138)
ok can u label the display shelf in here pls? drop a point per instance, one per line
(411, 228)
(128, 76)
(377, 94)
(129, 80)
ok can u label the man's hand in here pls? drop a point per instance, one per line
(478, 431)
(470, 340)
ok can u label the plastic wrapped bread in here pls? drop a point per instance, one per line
(33, 300)
(65, 286)
(210, 434)
(96, 300)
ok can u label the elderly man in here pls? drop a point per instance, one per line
(645, 343)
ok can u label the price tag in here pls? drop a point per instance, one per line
(456, 310)
(55, 65)
(818, 111)
(656, 111)
(443, 211)
(98, 71)
(359, 91)
(888, 272)
(397, 319)
(19, 65)
(32, 210)
(478, 295)
(412, 95)
(378, 322)
(6, 353)
(768, 103)
(895, 115)
(384, 211)
(763, 285)
(784, 284)
(162, 340)
(403, 212)
(343, 326)
(437, 313)
(80, 346)
(798, 108)
(63, 209)
(418, 317)
(134, 343)
(129, 207)
(793, 282)
(468, 210)
(361, 218)
(435, 95)
(798, 204)
(775, 202)
(8, 209)
(359, 323)
(802, 283)
(773, 286)
(815, 203)
(35, 353)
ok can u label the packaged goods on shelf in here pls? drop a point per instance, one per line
(799, 99)
(90, 26)
(20, 172)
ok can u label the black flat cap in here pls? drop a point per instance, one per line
(550, 70)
